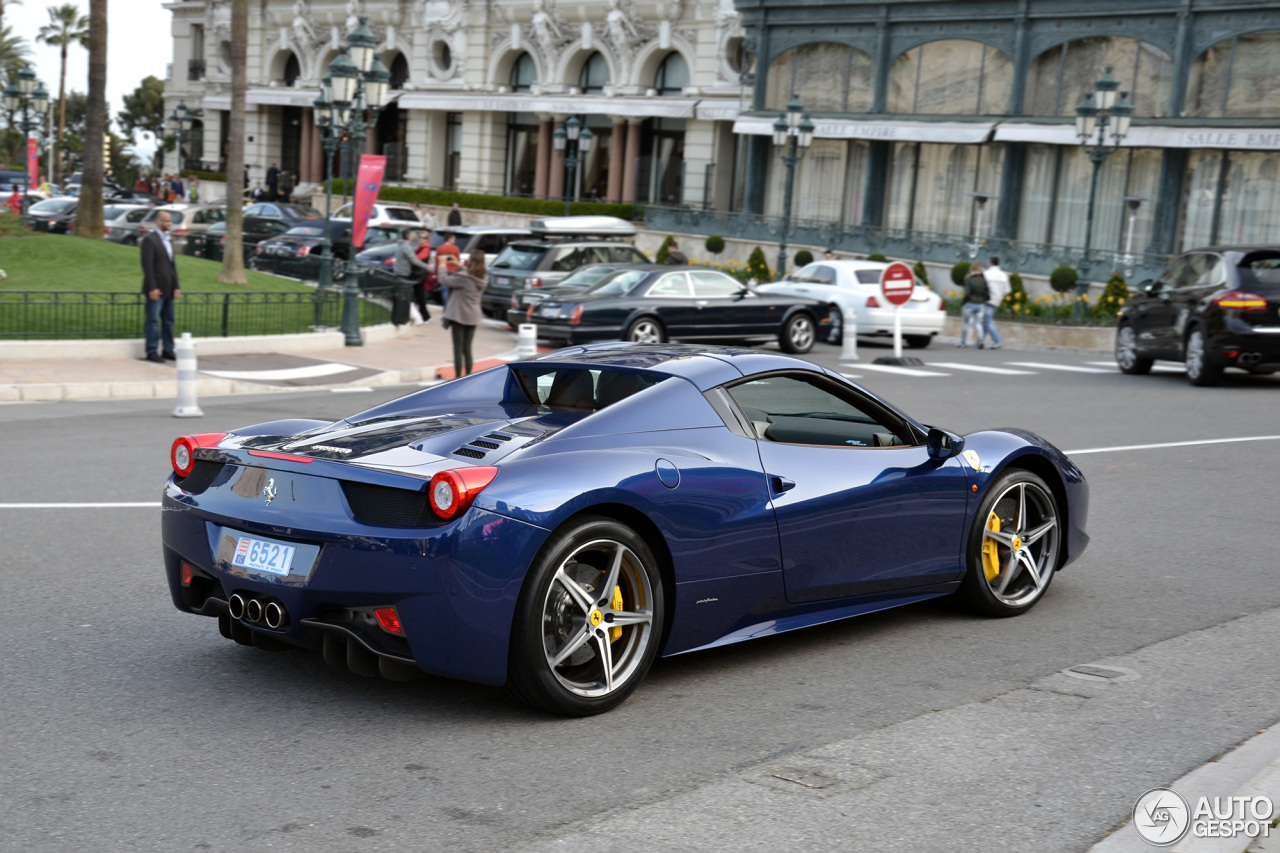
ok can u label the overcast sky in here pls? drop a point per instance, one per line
(139, 43)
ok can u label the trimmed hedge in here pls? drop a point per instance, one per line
(1063, 278)
(877, 256)
(715, 244)
(501, 203)
(921, 273)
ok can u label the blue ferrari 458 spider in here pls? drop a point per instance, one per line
(556, 524)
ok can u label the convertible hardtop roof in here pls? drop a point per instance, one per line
(582, 226)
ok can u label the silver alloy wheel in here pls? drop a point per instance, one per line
(1195, 353)
(1020, 552)
(800, 330)
(597, 618)
(645, 332)
(1126, 347)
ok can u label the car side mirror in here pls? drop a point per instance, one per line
(942, 444)
(1150, 286)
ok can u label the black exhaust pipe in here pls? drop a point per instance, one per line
(275, 615)
(236, 606)
(253, 610)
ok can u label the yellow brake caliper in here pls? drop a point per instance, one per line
(990, 556)
(616, 604)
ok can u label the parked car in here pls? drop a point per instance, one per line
(189, 221)
(655, 304)
(1212, 309)
(134, 197)
(558, 247)
(113, 212)
(854, 288)
(54, 215)
(266, 219)
(213, 243)
(384, 215)
(127, 229)
(526, 300)
(297, 252)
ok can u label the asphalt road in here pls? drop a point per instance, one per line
(129, 726)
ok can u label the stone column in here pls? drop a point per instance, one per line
(629, 161)
(317, 153)
(617, 160)
(304, 159)
(555, 186)
(542, 170)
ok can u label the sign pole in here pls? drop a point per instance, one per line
(897, 331)
(897, 283)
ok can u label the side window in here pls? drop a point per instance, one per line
(271, 210)
(1189, 271)
(199, 217)
(567, 259)
(816, 274)
(492, 244)
(1215, 273)
(713, 285)
(596, 255)
(674, 284)
(628, 255)
(256, 210)
(811, 409)
(217, 214)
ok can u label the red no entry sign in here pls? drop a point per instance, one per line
(897, 283)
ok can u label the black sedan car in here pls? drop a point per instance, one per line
(525, 300)
(54, 215)
(655, 304)
(1212, 309)
(212, 244)
(296, 253)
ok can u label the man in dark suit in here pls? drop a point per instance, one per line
(160, 284)
(273, 182)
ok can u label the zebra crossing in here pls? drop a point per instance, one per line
(1007, 368)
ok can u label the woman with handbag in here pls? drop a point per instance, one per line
(462, 311)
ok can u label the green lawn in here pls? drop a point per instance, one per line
(61, 262)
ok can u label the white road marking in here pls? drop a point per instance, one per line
(432, 383)
(354, 389)
(1173, 444)
(850, 376)
(982, 368)
(308, 371)
(1155, 368)
(1070, 368)
(900, 371)
(124, 505)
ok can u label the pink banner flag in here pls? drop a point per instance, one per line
(33, 165)
(368, 183)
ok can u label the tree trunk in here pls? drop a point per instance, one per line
(62, 118)
(89, 210)
(233, 255)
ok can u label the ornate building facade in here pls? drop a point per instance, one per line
(477, 88)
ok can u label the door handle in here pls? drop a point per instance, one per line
(781, 484)
(700, 302)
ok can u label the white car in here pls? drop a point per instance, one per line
(854, 287)
(384, 215)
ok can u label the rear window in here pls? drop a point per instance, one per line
(517, 257)
(579, 388)
(53, 205)
(1258, 269)
(587, 276)
(304, 231)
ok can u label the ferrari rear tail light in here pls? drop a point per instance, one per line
(872, 302)
(1241, 300)
(183, 453)
(575, 316)
(389, 620)
(187, 574)
(451, 492)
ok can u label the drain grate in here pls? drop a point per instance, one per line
(804, 777)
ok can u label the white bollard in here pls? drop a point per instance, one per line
(186, 352)
(849, 339)
(527, 342)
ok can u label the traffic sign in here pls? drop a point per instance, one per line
(897, 283)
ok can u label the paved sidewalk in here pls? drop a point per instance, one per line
(422, 355)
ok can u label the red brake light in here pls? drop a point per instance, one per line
(451, 492)
(223, 242)
(872, 302)
(182, 455)
(287, 457)
(389, 262)
(303, 251)
(533, 282)
(257, 250)
(575, 316)
(389, 620)
(942, 305)
(1241, 300)
(187, 572)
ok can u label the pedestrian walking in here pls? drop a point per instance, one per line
(998, 285)
(160, 284)
(194, 192)
(286, 187)
(429, 220)
(462, 313)
(177, 193)
(455, 215)
(675, 257)
(273, 182)
(447, 249)
(406, 263)
(15, 202)
(975, 301)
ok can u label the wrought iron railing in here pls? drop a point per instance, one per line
(76, 315)
(1027, 258)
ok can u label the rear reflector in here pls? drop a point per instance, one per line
(872, 302)
(389, 620)
(187, 572)
(287, 457)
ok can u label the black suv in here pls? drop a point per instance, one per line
(1212, 309)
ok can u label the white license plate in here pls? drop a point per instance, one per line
(549, 311)
(264, 556)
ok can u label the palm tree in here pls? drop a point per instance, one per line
(14, 51)
(233, 257)
(89, 211)
(4, 3)
(66, 25)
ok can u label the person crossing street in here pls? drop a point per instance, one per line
(998, 287)
(976, 294)
(406, 262)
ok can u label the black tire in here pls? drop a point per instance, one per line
(1126, 351)
(1202, 370)
(798, 333)
(917, 341)
(1013, 588)
(552, 614)
(646, 330)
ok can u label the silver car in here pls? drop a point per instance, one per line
(126, 228)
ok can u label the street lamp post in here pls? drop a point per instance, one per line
(1093, 120)
(330, 119)
(1127, 260)
(792, 134)
(179, 120)
(27, 96)
(572, 141)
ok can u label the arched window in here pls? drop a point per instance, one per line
(672, 76)
(951, 77)
(1237, 78)
(399, 67)
(1061, 76)
(827, 77)
(292, 70)
(523, 73)
(594, 75)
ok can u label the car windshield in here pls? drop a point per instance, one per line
(620, 284)
(587, 276)
(516, 257)
(54, 205)
(305, 231)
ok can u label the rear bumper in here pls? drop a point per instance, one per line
(1252, 348)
